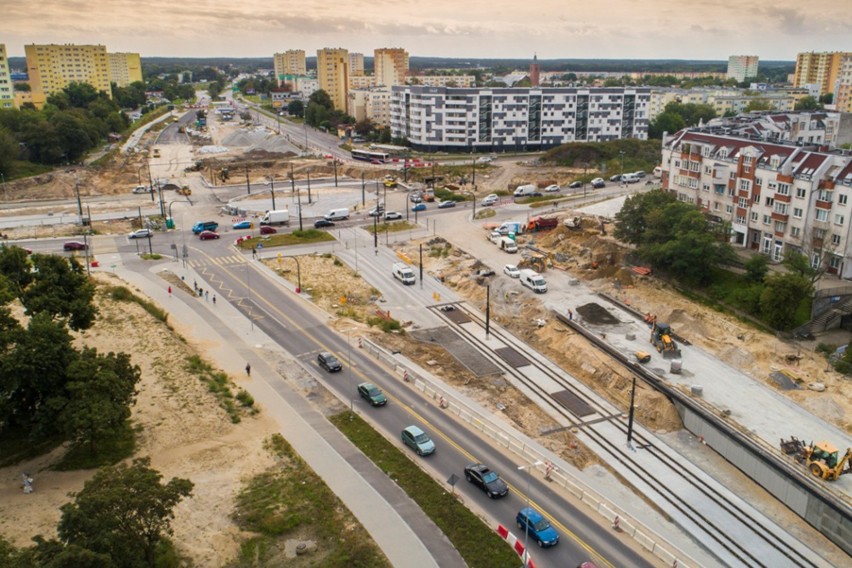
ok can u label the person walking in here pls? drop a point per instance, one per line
(248, 369)
(170, 291)
(214, 299)
(207, 296)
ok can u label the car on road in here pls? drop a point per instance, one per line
(597, 183)
(490, 199)
(376, 211)
(418, 440)
(552, 187)
(141, 189)
(205, 226)
(320, 223)
(140, 234)
(483, 272)
(243, 225)
(372, 394)
(329, 362)
(511, 271)
(74, 245)
(267, 230)
(416, 198)
(446, 204)
(616, 177)
(575, 185)
(486, 479)
(587, 565)
(539, 529)
(208, 235)
(392, 215)
(419, 207)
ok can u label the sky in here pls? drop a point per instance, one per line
(551, 29)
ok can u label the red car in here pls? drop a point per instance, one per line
(267, 230)
(74, 245)
(208, 235)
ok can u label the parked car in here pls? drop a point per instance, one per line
(141, 189)
(74, 245)
(598, 183)
(320, 223)
(417, 440)
(392, 215)
(483, 272)
(640, 174)
(536, 194)
(575, 184)
(511, 271)
(140, 234)
(616, 177)
(539, 529)
(267, 230)
(446, 204)
(243, 225)
(329, 362)
(372, 394)
(487, 480)
(376, 211)
(419, 207)
(208, 235)
(551, 188)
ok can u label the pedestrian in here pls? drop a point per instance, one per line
(195, 285)
(253, 252)
(200, 292)
(207, 296)
(570, 315)
(170, 290)
(214, 299)
(248, 369)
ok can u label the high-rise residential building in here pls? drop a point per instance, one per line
(535, 72)
(442, 80)
(741, 67)
(536, 118)
(124, 68)
(843, 85)
(53, 67)
(356, 64)
(333, 75)
(291, 62)
(391, 66)
(821, 69)
(7, 91)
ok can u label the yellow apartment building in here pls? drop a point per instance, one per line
(291, 62)
(391, 66)
(7, 90)
(124, 68)
(821, 69)
(52, 67)
(333, 75)
(356, 64)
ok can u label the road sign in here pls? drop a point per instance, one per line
(259, 246)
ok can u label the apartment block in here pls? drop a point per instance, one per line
(52, 67)
(776, 197)
(361, 81)
(459, 81)
(356, 64)
(373, 104)
(291, 62)
(124, 68)
(391, 66)
(491, 119)
(333, 75)
(804, 128)
(843, 85)
(821, 69)
(7, 90)
(740, 67)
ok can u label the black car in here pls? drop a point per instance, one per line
(320, 223)
(575, 184)
(536, 194)
(329, 362)
(372, 394)
(487, 480)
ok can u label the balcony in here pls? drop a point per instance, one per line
(822, 204)
(780, 217)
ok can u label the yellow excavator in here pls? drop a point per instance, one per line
(822, 459)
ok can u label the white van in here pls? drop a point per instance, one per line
(508, 245)
(337, 215)
(533, 280)
(629, 178)
(403, 273)
(527, 189)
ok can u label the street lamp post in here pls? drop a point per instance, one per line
(272, 189)
(528, 469)
(622, 164)
(248, 184)
(309, 188)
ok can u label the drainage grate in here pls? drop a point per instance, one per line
(573, 403)
(512, 357)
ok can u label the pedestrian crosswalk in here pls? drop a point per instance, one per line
(218, 260)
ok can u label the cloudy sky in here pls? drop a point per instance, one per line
(587, 29)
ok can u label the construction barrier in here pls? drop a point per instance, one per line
(516, 545)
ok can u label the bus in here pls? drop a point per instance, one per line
(370, 156)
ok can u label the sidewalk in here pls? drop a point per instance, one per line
(402, 530)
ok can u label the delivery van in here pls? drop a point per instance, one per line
(508, 245)
(527, 189)
(204, 226)
(403, 273)
(337, 214)
(534, 281)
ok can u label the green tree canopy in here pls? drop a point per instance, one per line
(782, 294)
(808, 103)
(296, 108)
(60, 288)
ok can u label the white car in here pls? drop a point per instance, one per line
(140, 234)
(392, 215)
(511, 271)
(141, 189)
(489, 199)
(551, 188)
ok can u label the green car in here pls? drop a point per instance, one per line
(372, 394)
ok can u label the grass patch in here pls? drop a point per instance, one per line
(123, 294)
(385, 324)
(219, 383)
(109, 451)
(291, 501)
(478, 544)
(150, 256)
(288, 239)
(393, 227)
(485, 213)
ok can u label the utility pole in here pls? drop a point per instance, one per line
(272, 188)
(335, 171)
(630, 418)
(309, 188)
(363, 195)
(473, 159)
(421, 266)
(150, 181)
(248, 185)
(487, 310)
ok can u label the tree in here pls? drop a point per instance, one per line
(15, 266)
(757, 267)
(757, 105)
(124, 511)
(296, 108)
(808, 103)
(781, 297)
(631, 220)
(322, 99)
(60, 288)
(665, 122)
(101, 390)
(827, 98)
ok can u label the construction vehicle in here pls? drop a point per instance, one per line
(542, 224)
(184, 191)
(661, 338)
(822, 459)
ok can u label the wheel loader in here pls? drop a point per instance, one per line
(822, 459)
(661, 339)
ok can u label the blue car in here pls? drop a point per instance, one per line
(419, 207)
(540, 529)
(243, 225)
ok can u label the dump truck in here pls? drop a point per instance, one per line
(542, 224)
(822, 459)
(661, 339)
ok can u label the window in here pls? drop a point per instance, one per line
(839, 219)
(842, 198)
(797, 213)
(743, 202)
(729, 208)
(770, 201)
(821, 215)
(835, 240)
(754, 216)
(795, 231)
(756, 198)
(758, 181)
(824, 195)
(708, 170)
(745, 184)
(781, 208)
(819, 234)
(801, 192)
(767, 220)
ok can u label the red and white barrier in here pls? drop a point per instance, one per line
(516, 545)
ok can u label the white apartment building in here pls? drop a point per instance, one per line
(843, 85)
(373, 104)
(776, 197)
(7, 90)
(802, 128)
(740, 67)
(490, 119)
(456, 81)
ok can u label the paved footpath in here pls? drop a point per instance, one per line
(400, 528)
